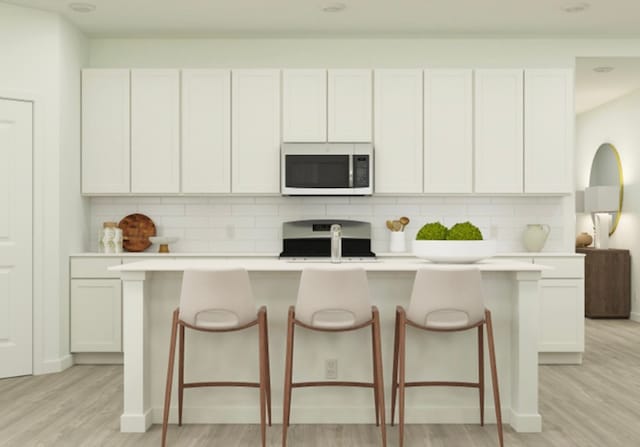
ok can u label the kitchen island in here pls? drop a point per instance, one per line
(151, 291)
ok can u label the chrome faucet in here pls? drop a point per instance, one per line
(336, 243)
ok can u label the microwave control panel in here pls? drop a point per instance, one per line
(361, 171)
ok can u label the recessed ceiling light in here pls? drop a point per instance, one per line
(603, 69)
(82, 7)
(334, 7)
(578, 7)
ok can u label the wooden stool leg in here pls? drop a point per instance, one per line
(376, 397)
(263, 378)
(481, 371)
(494, 375)
(394, 373)
(180, 375)
(379, 382)
(288, 376)
(401, 366)
(167, 392)
(268, 367)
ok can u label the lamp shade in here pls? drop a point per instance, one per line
(601, 199)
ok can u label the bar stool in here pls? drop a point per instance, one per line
(445, 299)
(334, 299)
(218, 301)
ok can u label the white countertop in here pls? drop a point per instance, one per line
(273, 264)
(150, 254)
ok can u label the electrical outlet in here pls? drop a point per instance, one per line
(331, 368)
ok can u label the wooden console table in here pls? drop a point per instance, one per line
(607, 283)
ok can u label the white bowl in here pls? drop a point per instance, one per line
(454, 252)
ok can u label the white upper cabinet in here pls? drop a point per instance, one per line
(350, 105)
(548, 130)
(498, 131)
(255, 131)
(206, 131)
(448, 131)
(398, 131)
(304, 105)
(155, 131)
(105, 131)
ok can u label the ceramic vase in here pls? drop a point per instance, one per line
(535, 236)
(397, 242)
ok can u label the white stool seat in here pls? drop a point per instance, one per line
(216, 319)
(333, 319)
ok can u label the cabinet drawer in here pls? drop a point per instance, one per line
(562, 267)
(94, 267)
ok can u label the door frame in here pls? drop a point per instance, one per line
(38, 253)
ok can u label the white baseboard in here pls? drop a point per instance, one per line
(57, 365)
(336, 415)
(98, 358)
(560, 358)
(635, 316)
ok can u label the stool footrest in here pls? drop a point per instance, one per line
(463, 384)
(332, 383)
(201, 384)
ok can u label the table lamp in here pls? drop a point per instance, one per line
(601, 201)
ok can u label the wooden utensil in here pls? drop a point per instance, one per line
(397, 226)
(136, 229)
(390, 225)
(404, 221)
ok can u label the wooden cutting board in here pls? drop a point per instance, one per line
(136, 230)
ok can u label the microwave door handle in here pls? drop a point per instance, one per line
(351, 171)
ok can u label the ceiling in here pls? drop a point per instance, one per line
(379, 18)
(594, 89)
(360, 17)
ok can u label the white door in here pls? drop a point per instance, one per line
(15, 238)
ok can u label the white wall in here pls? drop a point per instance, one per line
(617, 123)
(40, 58)
(341, 52)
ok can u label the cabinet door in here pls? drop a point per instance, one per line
(448, 131)
(561, 315)
(498, 131)
(304, 105)
(96, 315)
(398, 131)
(255, 131)
(206, 131)
(155, 131)
(350, 107)
(548, 130)
(105, 131)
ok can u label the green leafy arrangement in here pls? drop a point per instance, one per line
(463, 231)
(433, 231)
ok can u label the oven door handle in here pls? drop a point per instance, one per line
(351, 171)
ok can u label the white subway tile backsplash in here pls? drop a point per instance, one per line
(254, 210)
(254, 224)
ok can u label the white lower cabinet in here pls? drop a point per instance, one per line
(561, 319)
(96, 305)
(96, 315)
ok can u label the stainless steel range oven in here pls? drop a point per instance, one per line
(324, 169)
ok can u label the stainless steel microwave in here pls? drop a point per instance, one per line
(327, 169)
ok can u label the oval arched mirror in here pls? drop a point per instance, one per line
(606, 170)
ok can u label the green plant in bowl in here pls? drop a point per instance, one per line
(464, 231)
(433, 231)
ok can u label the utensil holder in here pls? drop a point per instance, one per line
(397, 242)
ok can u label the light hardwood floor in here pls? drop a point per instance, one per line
(593, 405)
